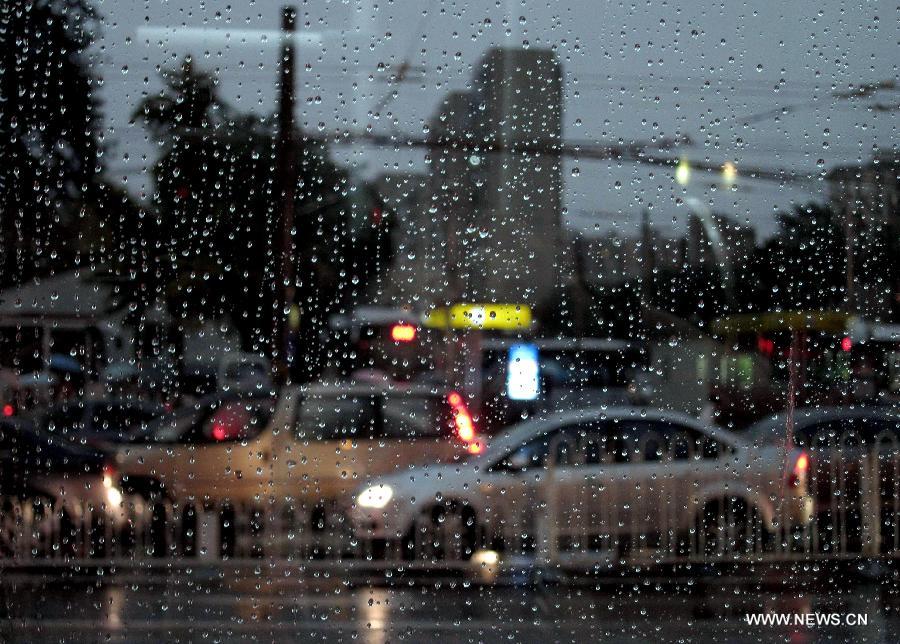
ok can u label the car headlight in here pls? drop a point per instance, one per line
(113, 493)
(114, 496)
(375, 496)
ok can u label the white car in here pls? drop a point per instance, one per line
(616, 480)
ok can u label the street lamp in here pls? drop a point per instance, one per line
(683, 172)
(729, 173)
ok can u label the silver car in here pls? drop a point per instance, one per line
(853, 465)
(614, 482)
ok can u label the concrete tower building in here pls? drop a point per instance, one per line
(517, 108)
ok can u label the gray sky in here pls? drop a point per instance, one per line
(633, 71)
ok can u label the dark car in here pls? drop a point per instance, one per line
(52, 493)
(852, 469)
(97, 421)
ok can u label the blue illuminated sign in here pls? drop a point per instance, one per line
(523, 372)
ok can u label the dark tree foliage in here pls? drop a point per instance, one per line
(694, 293)
(803, 266)
(49, 123)
(107, 232)
(213, 246)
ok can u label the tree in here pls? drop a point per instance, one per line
(213, 243)
(802, 267)
(49, 120)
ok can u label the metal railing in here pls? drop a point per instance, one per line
(852, 496)
(592, 508)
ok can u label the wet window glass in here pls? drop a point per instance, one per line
(388, 320)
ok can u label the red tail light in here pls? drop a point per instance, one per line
(463, 423)
(109, 474)
(219, 431)
(8, 410)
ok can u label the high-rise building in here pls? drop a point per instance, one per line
(517, 110)
(488, 219)
(865, 200)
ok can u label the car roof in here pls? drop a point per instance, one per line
(118, 402)
(529, 429)
(566, 344)
(357, 388)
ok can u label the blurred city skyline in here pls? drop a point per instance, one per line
(712, 75)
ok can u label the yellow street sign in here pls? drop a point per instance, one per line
(497, 317)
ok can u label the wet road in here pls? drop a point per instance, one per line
(267, 606)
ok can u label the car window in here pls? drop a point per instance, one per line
(117, 420)
(338, 417)
(583, 443)
(687, 443)
(235, 420)
(609, 442)
(532, 455)
(647, 441)
(416, 416)
(211, 422)
(171, 427)
(853, 431)
(643, 441)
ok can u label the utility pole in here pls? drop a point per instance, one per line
(850, 243)
(287, 184)
(648, 259)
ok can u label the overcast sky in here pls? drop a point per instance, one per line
(633, 71)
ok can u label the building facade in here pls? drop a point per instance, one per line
(518, 111)
(865, 200)
(489, 217)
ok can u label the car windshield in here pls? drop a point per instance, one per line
(166, 428)
(212, 420)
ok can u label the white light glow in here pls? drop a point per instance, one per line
(523, 372)
(376, 496)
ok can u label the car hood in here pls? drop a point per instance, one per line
(430, 481)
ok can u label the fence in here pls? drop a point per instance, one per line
(574, 517)
(851, 499)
